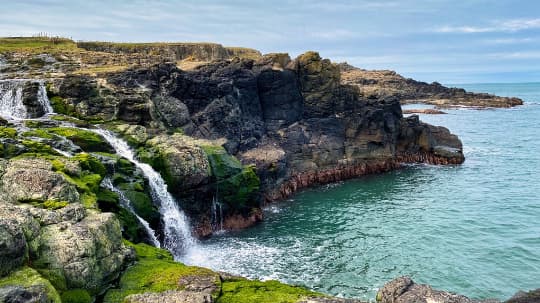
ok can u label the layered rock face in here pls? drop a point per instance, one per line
(380, 83)
(292, 120)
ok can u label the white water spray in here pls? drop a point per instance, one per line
(178, 238)
(126, 203)
(11, 99)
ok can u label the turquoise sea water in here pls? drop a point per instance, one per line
(472, 229)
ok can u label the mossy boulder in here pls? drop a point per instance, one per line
(27, 285)
(85, 139)
(143, 206)
(86, 254)
(33, 180)
(135, 135)
(237, 185)
(14, 250)
(179, 159)
(156, 272)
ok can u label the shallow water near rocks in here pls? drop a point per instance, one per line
(473, 229)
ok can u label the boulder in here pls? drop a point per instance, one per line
(32, 179)
(86, 254)
(171, 296)
(182, 163)
(404, 290)
(13, 247)
(532, 296)
(27, 285)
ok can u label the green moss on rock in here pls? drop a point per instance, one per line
(248, 291)
(87, 140)
(143, 205)
(223, 165)
(54, 204)
(237, 185)
(76, 296)
(27, 277)
(155, 271)
(91, 163)
(7, 132)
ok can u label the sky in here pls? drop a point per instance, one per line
(449, 41)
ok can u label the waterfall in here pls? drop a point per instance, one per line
(43, 99)
(217, 214)
(125, 203)
(12, 103)
(178, 238)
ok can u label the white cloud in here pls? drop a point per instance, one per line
(509, 40)
(513, 25)
(517, 55)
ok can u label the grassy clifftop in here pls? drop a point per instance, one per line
(43, 56)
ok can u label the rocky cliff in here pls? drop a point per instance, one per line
(248, 132)
(380, 83)
(227, 136)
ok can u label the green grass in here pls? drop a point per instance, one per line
(36, 44)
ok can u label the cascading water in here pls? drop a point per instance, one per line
(12, 99)
(177, 232)
(178, 238)
(125, 203)
(217, 214)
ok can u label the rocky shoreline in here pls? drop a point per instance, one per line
(232, 133)
(378, 83)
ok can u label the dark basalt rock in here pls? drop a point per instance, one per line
(30, 100)
(294, 120)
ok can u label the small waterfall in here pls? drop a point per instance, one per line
(178, 238)
(11, 105)
(125, 203)
(217, 214)
(12, 99)
(43, 99)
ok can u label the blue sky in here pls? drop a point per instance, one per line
(431, 40)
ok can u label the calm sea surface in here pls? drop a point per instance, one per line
(472, 229)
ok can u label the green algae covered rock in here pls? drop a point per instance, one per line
(87, 254)
(237, 185)
(33, 179)
(156, 272)
(155, 277)
(28, 285)
(247, 291)
(179, 159)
